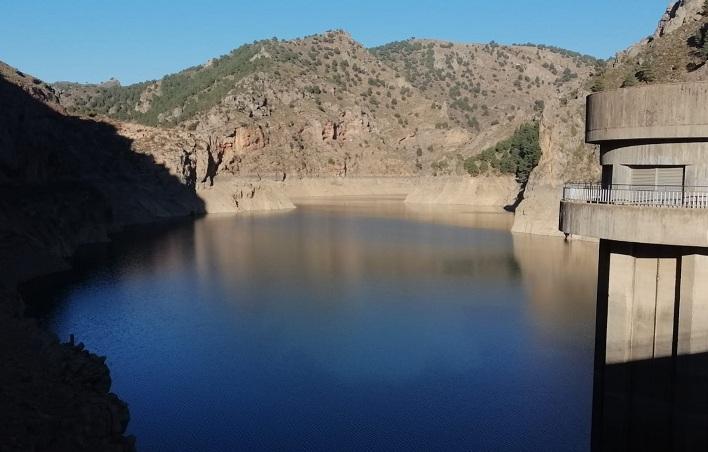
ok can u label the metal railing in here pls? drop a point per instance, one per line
(675, 196)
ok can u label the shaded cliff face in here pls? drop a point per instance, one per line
(44, 148)
(64, 181)
(669, 56)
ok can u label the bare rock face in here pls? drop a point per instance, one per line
(145, 102)
(229, 195)
(565, 158)
(249, 139)
(329, 131)
(353, 126)
(253, 105)
(678, 14)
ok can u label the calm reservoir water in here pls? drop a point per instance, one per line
(370, 326)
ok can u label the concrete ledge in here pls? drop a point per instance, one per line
(655, 112)
(651, 225)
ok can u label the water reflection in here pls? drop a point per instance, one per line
(365, 327)
(560, 279)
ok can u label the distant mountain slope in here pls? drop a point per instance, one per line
(484, 85)
(325, 105)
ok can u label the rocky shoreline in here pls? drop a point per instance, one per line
(55, 396)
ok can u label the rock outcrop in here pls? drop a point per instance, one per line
(230, 195)
(55, 396)
(329, 187)
(678, 14)
(565, 158)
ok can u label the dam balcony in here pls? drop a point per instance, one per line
(661, 215)
(671, 196)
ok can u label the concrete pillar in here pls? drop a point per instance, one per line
(665, 307)
(693, 310)
(619, 308)
(640, 305)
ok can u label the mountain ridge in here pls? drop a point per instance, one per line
(322, 102)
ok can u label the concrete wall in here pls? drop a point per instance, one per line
(670, 111)
(650, 225)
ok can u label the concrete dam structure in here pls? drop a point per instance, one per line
(650, 212)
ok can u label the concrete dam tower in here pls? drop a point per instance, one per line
(650, 212)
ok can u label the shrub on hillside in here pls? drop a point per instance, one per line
(646, 73)
(518, 154)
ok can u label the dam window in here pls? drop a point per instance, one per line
(654, 176)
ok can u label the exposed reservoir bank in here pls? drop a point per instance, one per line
(341, 327)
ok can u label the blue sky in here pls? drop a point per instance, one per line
(135, 40)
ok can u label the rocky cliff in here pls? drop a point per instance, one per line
(565, 157)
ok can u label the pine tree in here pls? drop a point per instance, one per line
(598, 85)
(699, 41)
(630, 80)
(646, 73)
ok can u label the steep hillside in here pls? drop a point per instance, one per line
(676, 52)
(489, 89)
(325, 106)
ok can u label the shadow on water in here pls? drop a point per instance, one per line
(42, 292)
